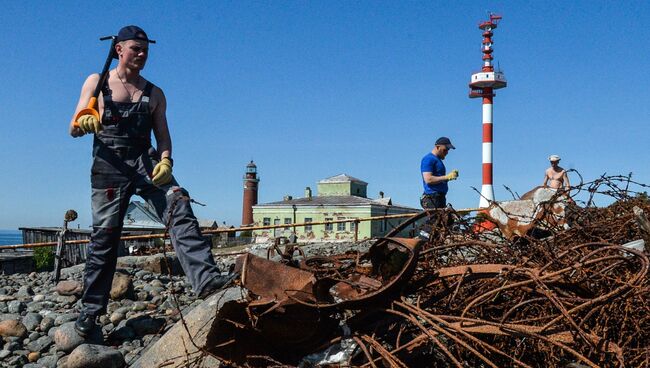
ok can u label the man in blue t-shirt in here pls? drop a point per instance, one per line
(434, 175)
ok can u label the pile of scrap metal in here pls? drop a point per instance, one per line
(579, 297)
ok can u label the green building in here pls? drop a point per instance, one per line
(340, 197)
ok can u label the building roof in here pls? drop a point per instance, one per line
(341, 178)
(141, 216)
(55, 229)
(205, 223)
(348, 200)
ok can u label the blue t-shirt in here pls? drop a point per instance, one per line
(431, 163)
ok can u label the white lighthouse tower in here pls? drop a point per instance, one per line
(483, 84)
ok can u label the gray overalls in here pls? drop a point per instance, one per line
(123, 160)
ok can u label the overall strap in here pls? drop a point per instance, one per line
(146, 97)
(114, 114)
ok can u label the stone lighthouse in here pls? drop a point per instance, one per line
(250, 194)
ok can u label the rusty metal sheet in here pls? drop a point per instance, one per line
(273, 280)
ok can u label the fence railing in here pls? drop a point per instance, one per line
(237, 229)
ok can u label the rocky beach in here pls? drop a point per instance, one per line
(37, 316)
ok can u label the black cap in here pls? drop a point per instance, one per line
(132, 33)
(444, 141)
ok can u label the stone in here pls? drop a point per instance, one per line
(38, 298)
(139, 306)
(121, 333)
(8, 316)
(67, 339)
(33, 356)
(42, 344)
(24, 291)
(6, 298)
(39, 306)
(12, 327)
(122, 287)
(11, 346)
(64, 318)
(48, 361)
(145, 325)
(15, 306)
(116, 317)
(174, 347)
(154, 263)
(95, 356)
(46, 324)
(16, 361)
(66, 299)
(69, 287)
(32, 320)
(4, 353)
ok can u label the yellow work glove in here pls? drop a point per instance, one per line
(162, 173)
(89, 124)
(453, 175)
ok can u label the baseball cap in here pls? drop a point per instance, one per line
(444, 141)
(132, 33)
(554, 158)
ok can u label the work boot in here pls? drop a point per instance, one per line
(216, 284)
(85, 324)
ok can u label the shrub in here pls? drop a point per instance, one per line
(44, 258)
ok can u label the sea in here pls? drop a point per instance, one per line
(8, 237)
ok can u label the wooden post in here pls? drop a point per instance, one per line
(356, 230)
(70, 215)
(59, 250)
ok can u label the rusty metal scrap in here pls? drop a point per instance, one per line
(463, 298)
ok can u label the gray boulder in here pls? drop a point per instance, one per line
(95, 356)
(67, 339)
(32, 320)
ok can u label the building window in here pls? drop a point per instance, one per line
(341, 225)
(266, 221)
(329, 227)
(287, 220)
(308, 220)
(353, 226)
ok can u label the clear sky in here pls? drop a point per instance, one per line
(311, 89)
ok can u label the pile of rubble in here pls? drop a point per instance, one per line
(569, 293)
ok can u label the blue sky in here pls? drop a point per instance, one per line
(311, 89)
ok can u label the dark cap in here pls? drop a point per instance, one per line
(444, 141)
(132, 33)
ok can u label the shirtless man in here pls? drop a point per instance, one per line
(556, 175)
(125, 163)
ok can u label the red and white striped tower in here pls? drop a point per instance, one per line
(483, 84)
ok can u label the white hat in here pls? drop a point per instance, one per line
(554, 158)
